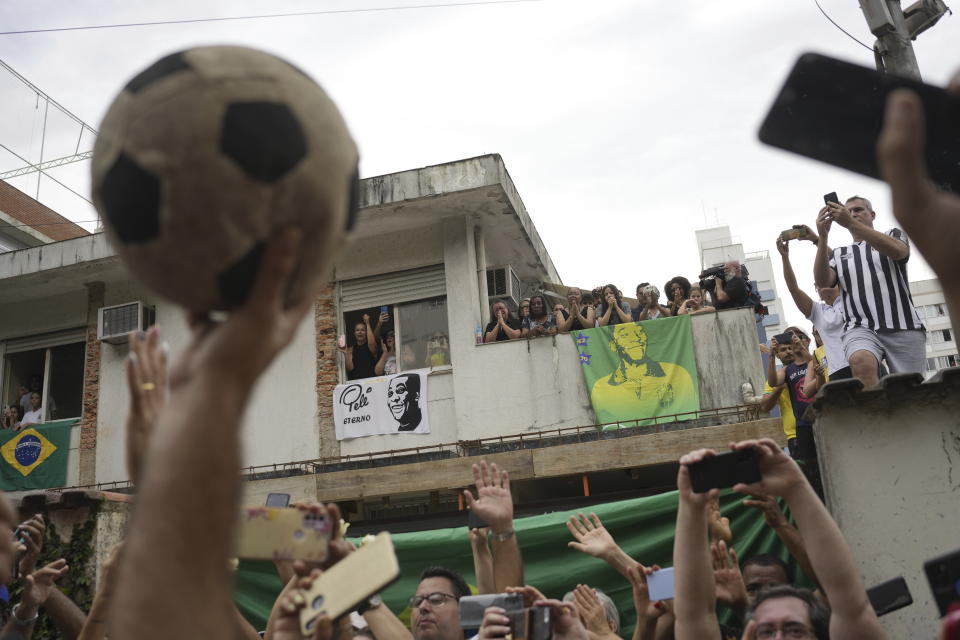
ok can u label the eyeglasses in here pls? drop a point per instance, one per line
(435, 599)
(791, 630)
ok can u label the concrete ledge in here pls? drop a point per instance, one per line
(528, 464)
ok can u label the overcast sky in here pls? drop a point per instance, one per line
(625, 125)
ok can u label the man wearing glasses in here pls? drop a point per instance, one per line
(435, 612)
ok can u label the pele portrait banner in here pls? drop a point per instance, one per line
(35, 458)
(639, 371)
(387, 404)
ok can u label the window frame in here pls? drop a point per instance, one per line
(47, 342)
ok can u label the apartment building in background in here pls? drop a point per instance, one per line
(941, 341)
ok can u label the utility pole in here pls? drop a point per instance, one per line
(896, 28)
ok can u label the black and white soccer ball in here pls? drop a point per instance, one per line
(204, 155)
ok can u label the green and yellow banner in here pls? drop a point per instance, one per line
(639, 371)
(35, 458)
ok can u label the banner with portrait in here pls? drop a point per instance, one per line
(382, 405)
(638, 371)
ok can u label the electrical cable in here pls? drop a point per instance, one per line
(817, 2)
(264, 16)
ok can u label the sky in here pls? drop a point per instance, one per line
(625, 125)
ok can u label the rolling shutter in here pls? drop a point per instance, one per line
(392, 288)
(44, 340)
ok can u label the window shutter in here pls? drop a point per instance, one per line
(392, 288)
(44, 340)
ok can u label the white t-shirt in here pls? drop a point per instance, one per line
(829, 321)
(33, 417)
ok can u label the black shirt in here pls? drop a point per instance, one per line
(363, 363)
(737, 290)
(513, 323)
(577, 324)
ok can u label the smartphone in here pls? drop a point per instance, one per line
(366, 571)
(724, 470)
(784, 338)
(273, 533)
(790, 234)
(278, 500)
(832, 111)
(384, 309)
(472, 607)
(474, 521)
(943, 574)
(660, 584)
(889, 596)
(831, 197)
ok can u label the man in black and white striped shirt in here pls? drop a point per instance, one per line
(881, 321)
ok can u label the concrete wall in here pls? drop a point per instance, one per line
(890, 460)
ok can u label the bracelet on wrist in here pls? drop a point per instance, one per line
(502, 536)
(21, 622)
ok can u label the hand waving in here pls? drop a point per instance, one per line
(147, 384)
(731, 589)
(37, 586)
(493, 503)
(590, 536)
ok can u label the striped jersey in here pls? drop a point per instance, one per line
(874, 287)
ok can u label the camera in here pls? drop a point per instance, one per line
(709, 276)
(525, 624)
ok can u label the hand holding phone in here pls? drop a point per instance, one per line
(724, 470)
(831, 197)
(660, 584)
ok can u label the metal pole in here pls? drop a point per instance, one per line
(893, 46)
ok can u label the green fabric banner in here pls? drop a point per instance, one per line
(644, 527)
(638, 371)
(35, 458)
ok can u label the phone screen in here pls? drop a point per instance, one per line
(831, 197)
(832, 111)
(724, 470)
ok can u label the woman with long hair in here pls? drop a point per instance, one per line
(361, 356)
(695, 304)
(678, 291)
(613, 310)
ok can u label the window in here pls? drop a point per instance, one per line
(932, 311)
(51, 365)
(940, 335)
(931, 364)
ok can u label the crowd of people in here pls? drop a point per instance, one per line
(605, 306)
(170, 578)
(27, 411)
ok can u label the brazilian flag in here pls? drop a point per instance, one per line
(35, 458)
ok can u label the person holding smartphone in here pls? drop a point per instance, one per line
(881, 320)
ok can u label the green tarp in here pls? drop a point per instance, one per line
(35, 458)
(636, 371)
(644, 527)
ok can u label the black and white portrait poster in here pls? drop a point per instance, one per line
(387, 404)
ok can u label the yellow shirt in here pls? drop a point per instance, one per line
(821, 355)
(786, 411)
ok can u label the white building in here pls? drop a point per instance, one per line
(716, 245)
(941, 343)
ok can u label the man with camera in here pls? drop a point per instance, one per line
(728, 285)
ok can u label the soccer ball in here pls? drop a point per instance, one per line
(204, 155)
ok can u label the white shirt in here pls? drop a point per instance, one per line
(829, 321)
(33, 417)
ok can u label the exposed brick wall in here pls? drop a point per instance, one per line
(18, 205)
(325, 319)
(91, 386)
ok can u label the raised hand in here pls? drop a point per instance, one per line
(824, 222)
(769, 507)
(495, 625)
(684, 486)
(731, 589)
(591, 610)
(646, 609)
(37, 585)
(30, 533)
(147, 385)
(840, 214)
(529, 594)
(719, 526)
(493, 504)
(780, 475)
(783, 248)
(590, 536)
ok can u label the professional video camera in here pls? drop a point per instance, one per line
(708, 277)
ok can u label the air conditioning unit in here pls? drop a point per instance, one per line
(503, 284)
(115, 323)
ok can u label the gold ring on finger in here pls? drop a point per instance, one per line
(148, 386)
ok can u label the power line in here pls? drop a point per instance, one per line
(869, 48)
(264, 16)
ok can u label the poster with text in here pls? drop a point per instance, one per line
(382, 405)
(639, 371)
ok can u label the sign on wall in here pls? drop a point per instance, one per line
(388, 404)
